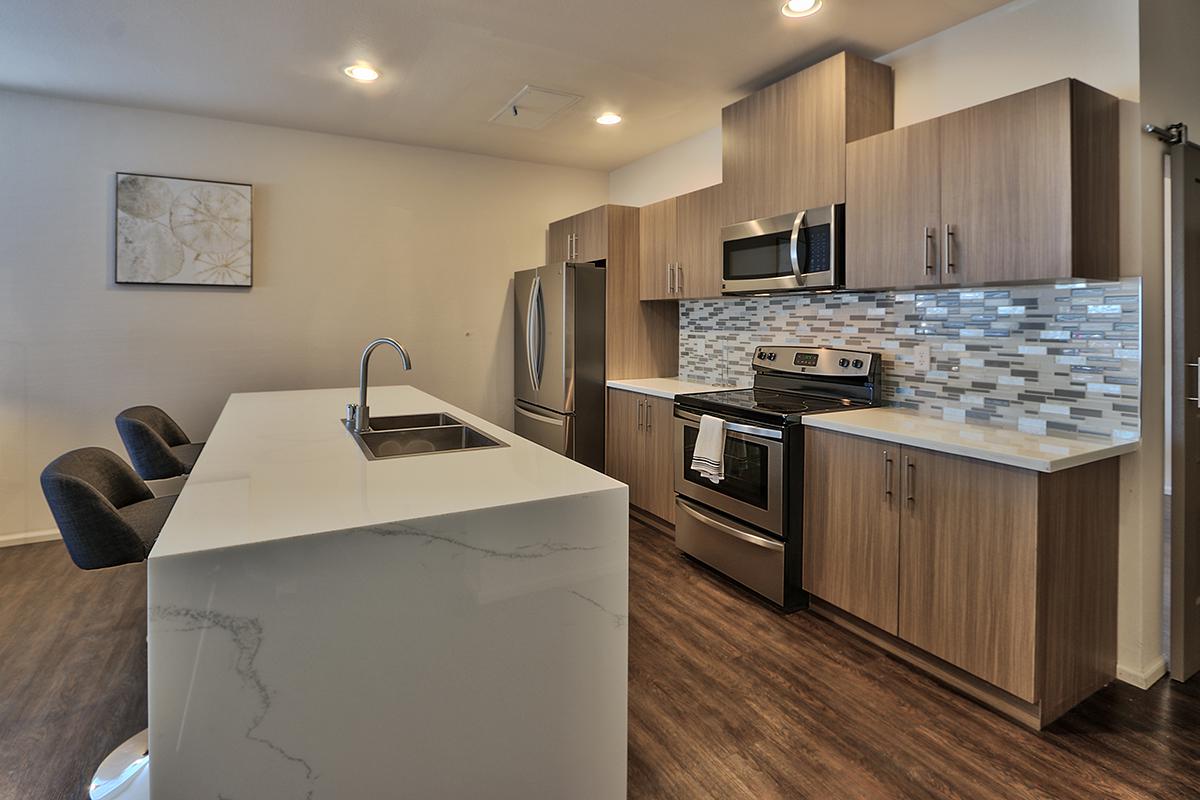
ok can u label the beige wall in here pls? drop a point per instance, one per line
(683, 167)
(352, 239)
(1017, 46)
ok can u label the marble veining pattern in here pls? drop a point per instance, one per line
(1047, 359)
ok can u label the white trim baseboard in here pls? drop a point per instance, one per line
(28, 537)
(1143, 678)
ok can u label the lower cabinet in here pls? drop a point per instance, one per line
(992, 577)
(640, 450)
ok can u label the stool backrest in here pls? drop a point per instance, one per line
(149, 434)
(85, 488)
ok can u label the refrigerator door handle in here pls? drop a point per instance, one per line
(556, 421)
(530, 325)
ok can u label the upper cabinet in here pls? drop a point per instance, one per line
(784, 147)
(1020, 189)
(681, 246)
(583, 237)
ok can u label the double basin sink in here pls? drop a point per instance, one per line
(420, 434)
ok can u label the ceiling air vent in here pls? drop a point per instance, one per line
(533, 107)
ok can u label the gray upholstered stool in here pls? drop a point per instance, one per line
(157, 446)
(107, 516)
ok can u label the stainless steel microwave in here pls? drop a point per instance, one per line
(788, 253)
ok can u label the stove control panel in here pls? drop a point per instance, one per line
(813, 361)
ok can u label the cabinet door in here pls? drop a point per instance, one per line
(559, 239)
(591, 235)
(1006, 188)
(698, 243)
(623, 443)
(657, 251)
(893, 208)
(852, 524)
(784, 146)
(659, 453)
(968, 566)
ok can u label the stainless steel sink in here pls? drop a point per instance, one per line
(405, 421)
(402, 441)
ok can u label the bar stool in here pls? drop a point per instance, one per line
(107, 517)
(157, 446)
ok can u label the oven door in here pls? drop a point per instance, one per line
(752, 490)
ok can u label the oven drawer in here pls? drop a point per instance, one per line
(749, 557)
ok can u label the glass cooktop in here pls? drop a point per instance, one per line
(763, 405)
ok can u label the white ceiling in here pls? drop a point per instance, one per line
(448, 65)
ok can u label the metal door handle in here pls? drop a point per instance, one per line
(649, 415)
(736, 532)
(558, 423)
(639, 414)
(949, 254)
(928, 250)
(910, 470)
(530, 354)
(1195, 399)
(887, 475)
(679, 279)
(794, 252)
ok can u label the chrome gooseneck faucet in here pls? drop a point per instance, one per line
(358, 417)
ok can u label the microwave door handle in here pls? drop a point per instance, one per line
(795, 248)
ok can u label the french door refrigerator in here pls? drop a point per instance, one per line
(559, 359)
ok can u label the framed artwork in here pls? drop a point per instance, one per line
(181, 232)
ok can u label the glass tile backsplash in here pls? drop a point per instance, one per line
(1045, 359)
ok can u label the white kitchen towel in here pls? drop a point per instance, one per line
(709, 456)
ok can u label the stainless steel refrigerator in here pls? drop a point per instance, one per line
(559, 360)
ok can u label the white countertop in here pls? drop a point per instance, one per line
(665, 387)
(281, 465)
(999, 445)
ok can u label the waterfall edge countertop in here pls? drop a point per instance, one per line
(281, 465)
(986, 443)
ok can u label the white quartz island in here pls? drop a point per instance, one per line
(450, 625)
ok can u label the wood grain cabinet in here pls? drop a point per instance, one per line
(640, 450)
(1020, 189)
(681, 246)
(1000, 581)
(641, 339)
(579, 238)
(784, 147)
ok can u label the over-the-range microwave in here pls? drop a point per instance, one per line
(788, 253)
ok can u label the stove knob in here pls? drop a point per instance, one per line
(770, 356)
(761, 355)
(857, 363)
(843, 363)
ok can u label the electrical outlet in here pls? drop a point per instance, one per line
(921, 358)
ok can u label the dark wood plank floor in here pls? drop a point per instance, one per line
(72, 669)
(728, 699)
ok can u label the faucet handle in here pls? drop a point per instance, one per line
(351, 415)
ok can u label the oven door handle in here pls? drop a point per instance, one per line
(736, 427)
(725, 527)
(794, 250)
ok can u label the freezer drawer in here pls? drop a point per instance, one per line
(751, 558)
(547, 428)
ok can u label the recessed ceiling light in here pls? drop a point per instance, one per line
(801, 8)
(608, 118)
(363, 73)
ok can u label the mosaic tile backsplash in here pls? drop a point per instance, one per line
(1050, 359)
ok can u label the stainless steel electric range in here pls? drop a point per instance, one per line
(748, 526)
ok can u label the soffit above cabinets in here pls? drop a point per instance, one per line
(667, 67)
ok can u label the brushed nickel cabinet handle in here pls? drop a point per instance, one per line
(887, 475)
(1195, 399)
(910, 471)
(639, 414)
(649, 415)
(949, 254)
(678, 278)
(928, 250)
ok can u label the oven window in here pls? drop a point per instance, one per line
(767, 256)
(746, 466)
